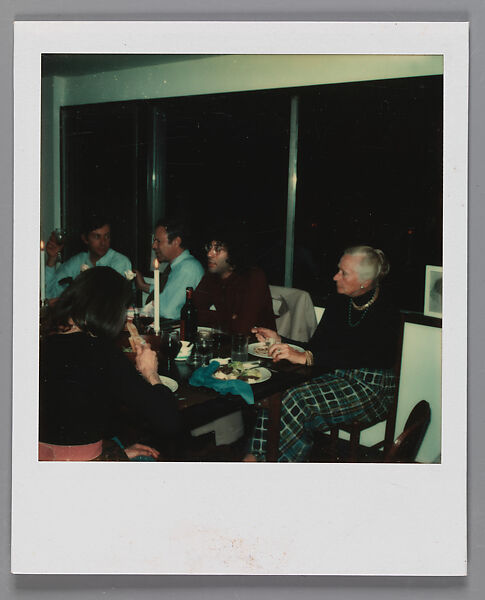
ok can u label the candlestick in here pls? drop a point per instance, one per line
(156, 297)
(42, 272)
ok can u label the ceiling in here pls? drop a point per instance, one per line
(71, 65)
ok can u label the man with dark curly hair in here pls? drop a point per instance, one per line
(232, 296)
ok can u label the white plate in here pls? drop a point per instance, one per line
(252, 349)
(205, 332)
(185, 351)
(172, 385)
(209, 330)
(221, 361)
(265, 375)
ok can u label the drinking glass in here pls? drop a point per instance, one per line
(202, 352)
(60, 237)
(218, 343)
(170, 345)
(174, 344)
(239, 348)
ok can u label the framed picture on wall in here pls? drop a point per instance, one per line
(433, 291)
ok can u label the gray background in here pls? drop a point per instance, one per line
(240, 588)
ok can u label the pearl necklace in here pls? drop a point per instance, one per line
(367, 304)
(365, 307)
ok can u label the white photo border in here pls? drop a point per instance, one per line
(236, 518)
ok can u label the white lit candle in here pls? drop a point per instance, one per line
(42, 271)
(156, 297)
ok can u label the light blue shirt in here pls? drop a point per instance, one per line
(72, 268)
(186, 271)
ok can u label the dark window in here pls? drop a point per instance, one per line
(369, 171)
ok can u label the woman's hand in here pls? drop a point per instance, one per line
(263, 334)
(147, 363)
(280, 351)
(141, 450)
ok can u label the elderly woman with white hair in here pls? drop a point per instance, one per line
(354, 346)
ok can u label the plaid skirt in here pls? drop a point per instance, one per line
(342, 396)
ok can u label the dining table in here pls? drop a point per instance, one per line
(202, 404)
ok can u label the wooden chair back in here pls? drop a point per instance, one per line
(406, 446)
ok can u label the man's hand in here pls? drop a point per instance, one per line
(52, 248)
(141, 284)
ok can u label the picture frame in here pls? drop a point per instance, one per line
(433, 291)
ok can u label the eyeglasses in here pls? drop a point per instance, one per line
(217, 247)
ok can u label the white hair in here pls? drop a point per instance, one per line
(374, 264)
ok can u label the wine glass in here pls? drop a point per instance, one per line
(60, 237)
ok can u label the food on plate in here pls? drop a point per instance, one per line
(236, 370)
(261, 350)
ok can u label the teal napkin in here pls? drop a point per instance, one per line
(202, 377)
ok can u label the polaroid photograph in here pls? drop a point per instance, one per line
(433, 291)
(221, 231)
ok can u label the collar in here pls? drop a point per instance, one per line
(102, 261)
(185, 254)
(360, 300)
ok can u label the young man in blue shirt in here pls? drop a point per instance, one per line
(97, 238)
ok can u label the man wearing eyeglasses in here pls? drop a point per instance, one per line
(232, 296)
(183, 270)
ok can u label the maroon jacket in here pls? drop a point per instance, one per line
(242, 301)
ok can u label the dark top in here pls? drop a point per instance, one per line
(242, 301)
(370, 344)
(85, 382)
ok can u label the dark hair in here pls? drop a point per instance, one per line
(96, 301)
(235, 241)
(175, 228)
(92, 222)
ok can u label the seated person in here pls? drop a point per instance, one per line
(87, 385)
(96, 235)
(183, 270)
(240, 294)
(354, 344)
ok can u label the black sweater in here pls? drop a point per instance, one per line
(370, 344)
(85, 382)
